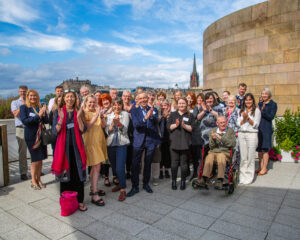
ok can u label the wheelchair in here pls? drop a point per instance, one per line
(231, 176)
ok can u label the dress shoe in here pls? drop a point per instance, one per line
(201, 182)
(24, 177)
(219, 184)
(116, 188)
(174, 185)
(167, 175)
(147, 188)
(182, 185)
(132, 192)
(122, 196)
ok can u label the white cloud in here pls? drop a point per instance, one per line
(139, 7)
(5, 51)
(111, 50)
(36, 40)
(85, 28)
(17, 12)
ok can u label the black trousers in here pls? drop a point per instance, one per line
(74, 184)
(196, 156)
(165, 155)
(129, 158)
(179, 156)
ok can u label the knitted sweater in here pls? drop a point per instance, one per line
(225, 143)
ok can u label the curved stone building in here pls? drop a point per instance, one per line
(260, 46)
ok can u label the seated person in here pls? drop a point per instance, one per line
(221, 140)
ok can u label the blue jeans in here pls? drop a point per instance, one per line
(117, 157)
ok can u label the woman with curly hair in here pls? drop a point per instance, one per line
(192, 100)
(104, 102)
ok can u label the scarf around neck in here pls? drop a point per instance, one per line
(60, 163)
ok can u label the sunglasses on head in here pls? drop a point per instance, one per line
(69, 90)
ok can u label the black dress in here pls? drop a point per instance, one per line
(74, 180)
(265, 130)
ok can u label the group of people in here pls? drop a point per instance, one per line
(144, 132)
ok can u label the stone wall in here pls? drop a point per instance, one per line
(260, 46)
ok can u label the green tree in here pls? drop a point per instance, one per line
(48, 97)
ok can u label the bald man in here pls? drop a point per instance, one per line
(221, 140)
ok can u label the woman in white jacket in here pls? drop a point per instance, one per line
(117, 142)
(248, 121)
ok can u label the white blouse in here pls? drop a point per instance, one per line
(247, 127)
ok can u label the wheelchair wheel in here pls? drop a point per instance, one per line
(235, 178)
(194, 185)
(230, 189)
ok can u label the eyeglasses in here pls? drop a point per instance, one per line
(69, 90)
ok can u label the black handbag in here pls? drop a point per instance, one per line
(47, 136)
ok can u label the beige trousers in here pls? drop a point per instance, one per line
(220, 158)
(23, 168)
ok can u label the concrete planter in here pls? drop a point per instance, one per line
(287, 157)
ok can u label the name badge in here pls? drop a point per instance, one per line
(191, 111)
(70, 125)
(185, 119)
(31, 114)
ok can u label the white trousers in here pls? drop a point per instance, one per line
(248, 144)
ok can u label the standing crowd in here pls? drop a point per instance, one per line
(142, 133)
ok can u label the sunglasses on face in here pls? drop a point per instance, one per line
(69, 90)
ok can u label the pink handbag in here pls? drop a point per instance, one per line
(68, 203)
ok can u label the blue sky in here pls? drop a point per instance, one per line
(121, 43)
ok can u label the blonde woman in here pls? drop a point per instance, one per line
(32, 114)
(95, 144)
(177, 94)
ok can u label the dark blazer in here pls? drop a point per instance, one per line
(31, 122)
(145, 131)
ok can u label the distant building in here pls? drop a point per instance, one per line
(77, 84)
(194, 81)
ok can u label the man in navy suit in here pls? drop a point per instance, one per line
(145, 138)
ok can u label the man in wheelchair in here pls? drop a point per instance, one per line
(221, 140)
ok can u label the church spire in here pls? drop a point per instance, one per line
(194, 81)
(194, 67)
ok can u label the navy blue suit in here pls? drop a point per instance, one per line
(145, 137)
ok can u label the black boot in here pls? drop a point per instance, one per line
(167, 175)
(174, 185)
(161, 174)
(182, 185)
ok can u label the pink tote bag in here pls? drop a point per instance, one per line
(68, 203)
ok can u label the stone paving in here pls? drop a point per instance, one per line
(267, 209)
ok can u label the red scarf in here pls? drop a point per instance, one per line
(60, 162)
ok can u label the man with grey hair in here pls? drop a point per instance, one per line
(221, 140)
(84, 91)
(22, 147)
(113, 93)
